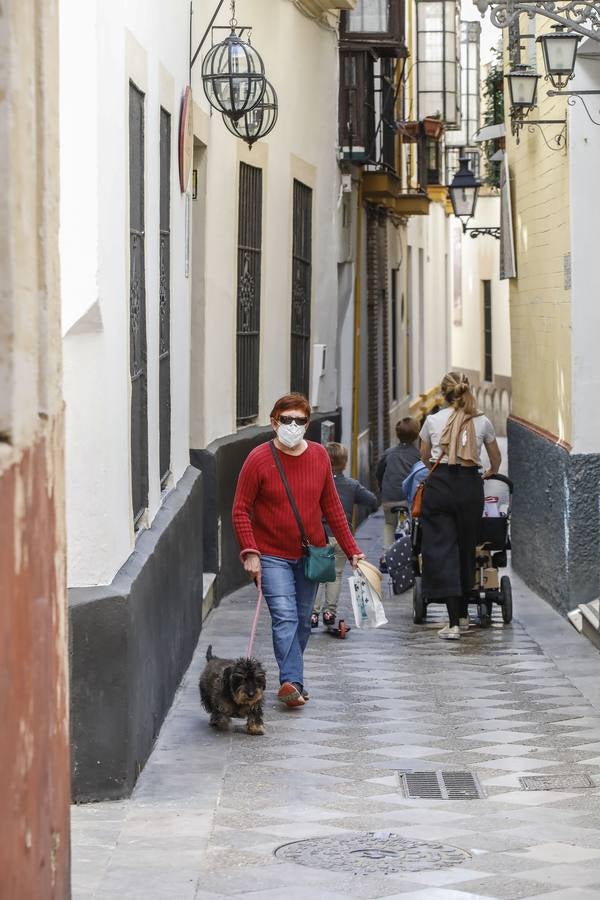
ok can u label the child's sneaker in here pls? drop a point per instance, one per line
(314, 620)
(450, 633)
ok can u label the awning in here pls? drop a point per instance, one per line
(489, 133)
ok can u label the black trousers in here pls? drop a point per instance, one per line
(450, 523)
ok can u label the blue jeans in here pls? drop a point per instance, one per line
(290, 598)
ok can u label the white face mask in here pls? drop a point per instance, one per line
(290, 435)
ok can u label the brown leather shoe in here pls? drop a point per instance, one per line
(290, 695)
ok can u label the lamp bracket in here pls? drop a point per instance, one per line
(206, 33)
(559, 141)
(476, 232)
(574, 96)
(581, 16)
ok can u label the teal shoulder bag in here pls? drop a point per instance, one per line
(319, 562)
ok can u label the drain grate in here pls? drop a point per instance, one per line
(555, 782)
(441, 785)
(373, 853)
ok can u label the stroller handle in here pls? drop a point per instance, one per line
(502, 478)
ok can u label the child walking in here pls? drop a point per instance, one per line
(351, 493)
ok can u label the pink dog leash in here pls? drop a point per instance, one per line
(255, 621)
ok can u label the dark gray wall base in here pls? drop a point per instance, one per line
(556, 517)
(220, 464)
(130, 643)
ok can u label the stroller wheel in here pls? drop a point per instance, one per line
(507, 604)
(419, 603)
(485, 615)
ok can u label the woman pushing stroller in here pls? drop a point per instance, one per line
(453, 499)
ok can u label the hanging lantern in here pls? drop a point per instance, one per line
(522, 85)
(233, 75)
(463, 193)
(259, 122)
(559, 49)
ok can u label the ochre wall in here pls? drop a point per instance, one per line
(34, 735)
(34, 729)
(540, 307)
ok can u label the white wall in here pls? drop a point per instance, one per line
(430, 349)
(584, 174)
(103, 45)
(301, 60)
(480, 261)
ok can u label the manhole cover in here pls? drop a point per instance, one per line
(441, 785)
(373, 853)
(555, 782)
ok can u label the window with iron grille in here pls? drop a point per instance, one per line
(301, 287)
(394, 314)
(248, 291)
(137, 308)
(488, 373)
(164, 371)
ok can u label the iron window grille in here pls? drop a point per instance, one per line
(394, 314)
(137, 308)
(248, 291)
(301, 287)
(488, 372)
(164, 373)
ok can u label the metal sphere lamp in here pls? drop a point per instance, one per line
(259, 121)
(233, 76)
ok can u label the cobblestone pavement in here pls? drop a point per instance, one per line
(210, 809)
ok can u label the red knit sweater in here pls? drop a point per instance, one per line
(263, 519)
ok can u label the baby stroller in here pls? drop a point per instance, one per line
(491, 555)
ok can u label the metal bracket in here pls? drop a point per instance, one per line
(476, 232)
(582, 16)
(573, 96)
(206, 33)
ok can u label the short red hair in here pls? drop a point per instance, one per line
(291, 401)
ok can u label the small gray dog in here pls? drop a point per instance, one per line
(233, 688)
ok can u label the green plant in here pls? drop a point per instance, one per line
(493, 97)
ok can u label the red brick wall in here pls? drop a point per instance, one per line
(34, 738)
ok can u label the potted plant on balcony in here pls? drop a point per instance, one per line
(433, 127)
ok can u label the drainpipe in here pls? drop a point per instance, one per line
(357, 311)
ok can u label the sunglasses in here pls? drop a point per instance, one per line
(299, 420)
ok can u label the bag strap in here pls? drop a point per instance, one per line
(289, 494)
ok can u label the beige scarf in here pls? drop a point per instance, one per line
(459, 439)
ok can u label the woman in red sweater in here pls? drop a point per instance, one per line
(269, 536)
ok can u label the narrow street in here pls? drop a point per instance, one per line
(210, 809)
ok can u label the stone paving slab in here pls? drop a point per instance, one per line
(210, 809)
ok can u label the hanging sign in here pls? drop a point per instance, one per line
(186, 140)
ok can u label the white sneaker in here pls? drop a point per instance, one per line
(463, 625)
(450, 633)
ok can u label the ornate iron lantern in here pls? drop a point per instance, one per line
(233, 75)
(259, 121)
(464, 191)
(522, 85)
(559, 49)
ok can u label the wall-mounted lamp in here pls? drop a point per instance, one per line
(464, 190)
